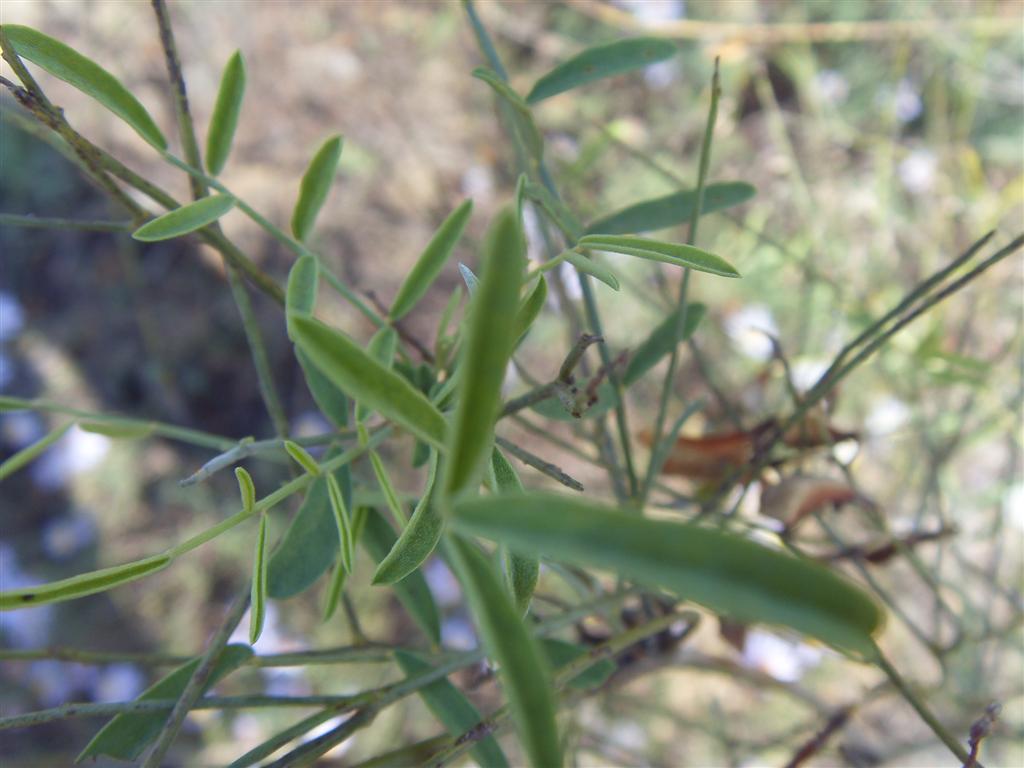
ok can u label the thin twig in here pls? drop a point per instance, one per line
(539, 464)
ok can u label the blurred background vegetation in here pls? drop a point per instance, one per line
(882, 137)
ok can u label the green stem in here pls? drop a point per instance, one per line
(658, 451)
(46, 222)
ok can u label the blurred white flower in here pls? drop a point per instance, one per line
(442, 583)
(654, 11)
(77, 452)
(887, 415)
(21, 428)
(806, 372)
(12, 316)
(458, 634)
(784, 660)
(118, 682)
(908, 102)
(917, 171)
(478, 183)
(832, 86)
(747, 328)
(662, 74)
(1013, 506)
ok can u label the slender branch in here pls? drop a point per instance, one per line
(539, 464)
(31, 221)
(197, 682)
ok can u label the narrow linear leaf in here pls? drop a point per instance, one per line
(186, 219)
(589, 266)
(560, 653)
(657, 250)
(430, 262)
(730, 575)
(521, 571)
(412, 591)
(246, 488)
(119, 430)
(87, 76)
(524, 672)
(340, 575)
(470, 279)
(520, 115)
(127, 736)
(355, 372)
(28, 453)
(454, 710)
(311, 543)
(303, 280)
(225, 114)
(530, 309)
(83, 584)
(671, 210)
(258, 610)
(660, 342)
(488, 344)
(341, 519)
(302, 457)
(316, 183)
(418, 539)
(387, 488)
(601, 61)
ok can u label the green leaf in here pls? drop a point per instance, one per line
(303, 279)
(83, 584)
(524, 672)
(316, 183)
(521, 571)
(489, 339)
(454, 710)
(660, 342)
(671, 210)
(302, 458)
(657, 250)
(328, 398)
(186, 219)
(412, 591)
(601, 61)
(530, 309)
(85, 75)
(341, 520)
(225, 114)
(246, 488)
(471, 280)
(340, 575)
(310, 544)
(28, 453)
(355, 372)
(560, 653)
(726, 573)
(418, 539)
(127, 736)
(590, 267)
(381, 347)
(430, 262)
(259, 583)
(521, 117)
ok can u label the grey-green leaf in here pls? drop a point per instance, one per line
(329, 399)
(303, 280)
(591, 267)
(430, 262)
(310, 544)
(722, 571)
(258, 597)
(186, 219)
(660, 342)
(412, 591)
(316, 184)
(488, 343)
(521, 570)
(658, 250)
(471, 280)
(525, 673)
(127, 736)
(601, 61)
(225, 114)
(381, 347)
(355, 372)
(84, 584)
(671, 210)
(87, 76)
(246, 488)
(418, 539)
(454, 710)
